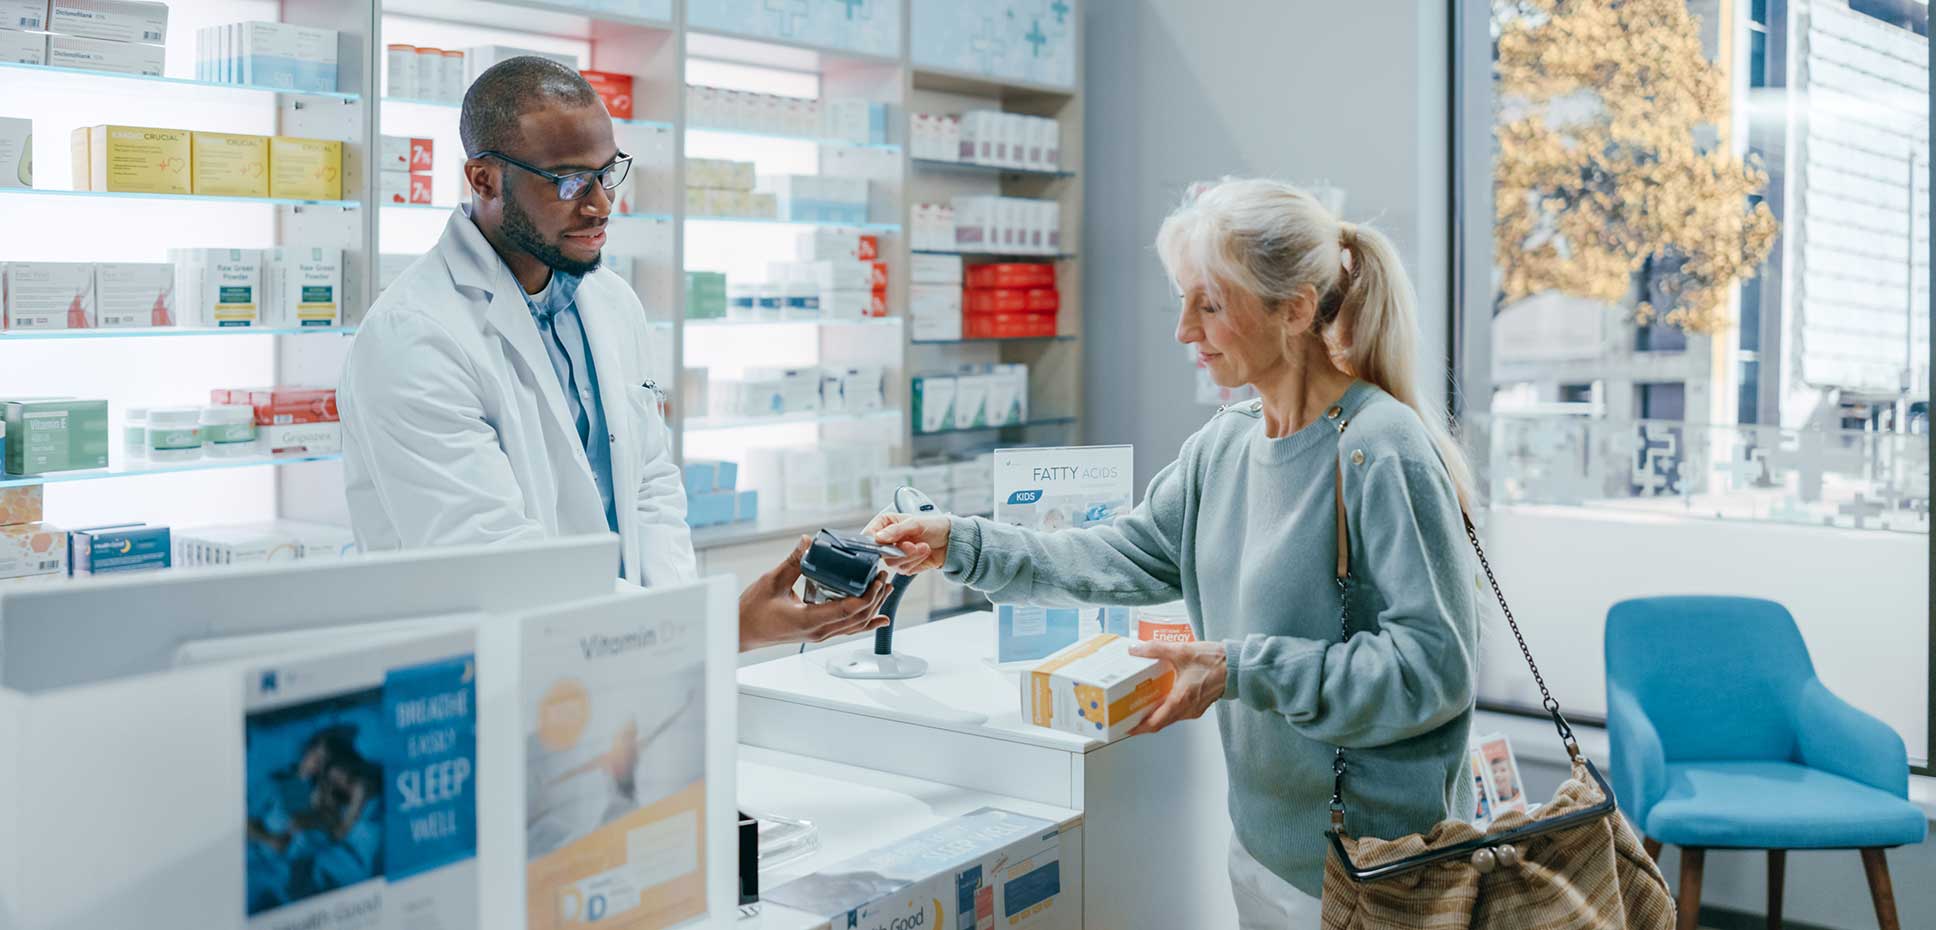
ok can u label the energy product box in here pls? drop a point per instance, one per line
(614, 89)
(133, 159)
(615, 768)
(112, 20)
(48, 295)
(32, 550)
(229, 165)
(933, 397)
(1094, 688)
(304, 287)
(134, 295)
(305, 169)
(102, 55)
(985, 869)
(287, 56)
(55, 434)
(379, 747)
(21, 48)
(1048, 490)
(107, 549)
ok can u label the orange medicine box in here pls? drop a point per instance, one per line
(1094, 688)
(614, 89)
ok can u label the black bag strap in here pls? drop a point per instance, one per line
(1547, 700)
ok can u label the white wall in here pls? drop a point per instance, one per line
(1350, 93)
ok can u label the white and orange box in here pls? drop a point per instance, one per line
(1094, 688)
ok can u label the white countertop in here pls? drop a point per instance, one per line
(856, 810)
(962, 691)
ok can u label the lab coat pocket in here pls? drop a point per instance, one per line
(655, 435)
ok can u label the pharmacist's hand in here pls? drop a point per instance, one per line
(922, 540)
(771, 614)
(1199, 681)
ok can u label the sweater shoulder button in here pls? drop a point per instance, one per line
(1357, 456)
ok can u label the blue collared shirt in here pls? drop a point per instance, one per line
(555, 310)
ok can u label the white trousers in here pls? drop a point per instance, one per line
(1264, 901)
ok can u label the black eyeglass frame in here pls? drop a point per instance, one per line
(622, 163)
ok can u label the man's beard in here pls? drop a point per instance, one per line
(520, 230)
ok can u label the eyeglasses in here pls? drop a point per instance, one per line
(576, 185)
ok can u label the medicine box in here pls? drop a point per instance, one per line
(134, 295)
(935, 269)
(112, 20)
(614, 89)
(229, 165)
(479, 59)
(47, 295)
(821, 245)
(55, 434)
(133, 159)
(933, 397)
(22, 504)
(302, 438)
(746, 507)
(985, 869)
(32, 549)
(288, 406)
(711, 508)
(305, 169)
(27, 15)
(705, 295)
(220, 288)
(971, 401)
(303, 287)
(1094, 688)
(287, 56)
(126, 548)
(16, 154)
(21, 48)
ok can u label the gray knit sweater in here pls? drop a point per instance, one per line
(1242, 528)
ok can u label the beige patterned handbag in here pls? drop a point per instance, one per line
(1573, 865)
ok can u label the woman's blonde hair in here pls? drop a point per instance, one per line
(1271, 239)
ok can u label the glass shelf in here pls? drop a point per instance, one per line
(978, 168)
(789, 419)
(1046, 421)
(129, 469)
(1004, 256)
(791, 137)
(153, 331)
(185, 198)
(441, 105)
(183, 82)
(870, 227)
(730, 324)
(970, 342)
(447, 207)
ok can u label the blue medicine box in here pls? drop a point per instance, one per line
(713, 508)
(725, 476)
(700, 476)
(126, 548)
(749, 507)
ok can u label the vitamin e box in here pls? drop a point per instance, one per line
(1094, 688)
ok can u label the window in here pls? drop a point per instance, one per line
(1756, 364)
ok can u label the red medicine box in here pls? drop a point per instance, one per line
(614, 89)
(284, 406)
(1010, 275)
(423, 154)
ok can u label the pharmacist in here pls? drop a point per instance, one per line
(498, 391)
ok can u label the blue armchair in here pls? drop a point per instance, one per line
(1723, 738)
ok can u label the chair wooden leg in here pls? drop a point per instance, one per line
(1876, 863)
(1777, 875)
(1653, 848)
(1689, 905)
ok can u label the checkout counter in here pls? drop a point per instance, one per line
(871, 762)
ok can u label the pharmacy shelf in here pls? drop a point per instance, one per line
(788, 419)
(570, 20)
(459, 106)
(1003, 256)
(138, 467)
(792, 137)
(169, 331)
(774, 52)
(447, 207)
(731, 324)
(980, 85)
(779, 525)
(759, 220)
(179, 82)
(971, 342)
(938, 164)
(1029, 424)
(184, 198)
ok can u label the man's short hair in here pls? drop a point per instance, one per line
(508, 90)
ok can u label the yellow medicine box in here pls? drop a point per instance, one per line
(305, 169)
(132, 159)
(227, 165)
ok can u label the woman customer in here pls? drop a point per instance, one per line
(1320, 318)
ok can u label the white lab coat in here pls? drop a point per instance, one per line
(455, 428)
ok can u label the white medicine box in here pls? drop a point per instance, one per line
(16, 152)
(1094, 688)
(21, 48)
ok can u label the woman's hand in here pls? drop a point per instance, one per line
(1200, 676)
(923, 541)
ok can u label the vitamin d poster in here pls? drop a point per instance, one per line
(1055, 489)
(615, 769)
(361, 789)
